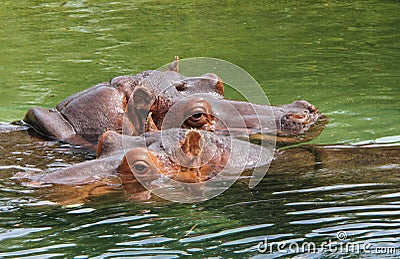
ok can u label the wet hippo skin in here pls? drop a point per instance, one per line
(202, 156)
(118, 155)
(124, 103)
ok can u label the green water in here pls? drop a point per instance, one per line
(342, 56)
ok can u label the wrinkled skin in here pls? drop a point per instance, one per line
(125, 103)
(204, 155)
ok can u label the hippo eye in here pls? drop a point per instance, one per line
(140, 167)
(197, 120)
(200, 114)
(197, 116)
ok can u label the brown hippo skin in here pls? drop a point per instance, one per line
(113, 168)
(83, 117)
(205, 154)
(124, 103)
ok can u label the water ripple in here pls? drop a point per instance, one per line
(36, 250)
(255, 239)
(355, 226)
(114, 221)
(318, 220)
(223, 233)
(379, 213)
(154, 254)
(81, 211)
(21, 232)
(389, 233)
(155, 240)
(329, 188)
(343, 209)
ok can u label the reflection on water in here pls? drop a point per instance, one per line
(311, 194)
(341, 56)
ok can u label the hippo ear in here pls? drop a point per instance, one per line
(193, 143)
(219, 87)
(138, 108)
(174, 66)
(142, 98)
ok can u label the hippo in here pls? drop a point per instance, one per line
(125, 103)
(83, 117)
(118, 156)
(190, 156)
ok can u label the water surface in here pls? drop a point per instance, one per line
(341, 56)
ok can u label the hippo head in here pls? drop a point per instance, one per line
(156, 160)
(288, 124)
(125, 103)
(190, 159)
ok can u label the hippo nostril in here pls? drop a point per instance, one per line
(296, 122)
(297, 116)
(180, 86)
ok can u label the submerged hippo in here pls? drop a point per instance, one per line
(124, 104)
(113, 170)
(186, 156)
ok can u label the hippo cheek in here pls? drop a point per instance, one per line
(200, 174)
